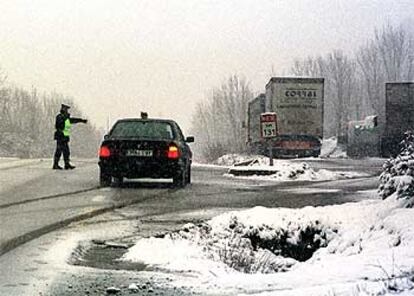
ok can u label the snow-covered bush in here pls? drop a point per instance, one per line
(259, 249)
(397, 176)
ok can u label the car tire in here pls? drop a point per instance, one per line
(180, 178)
(104, 179)
(189, 174)
(118, 181)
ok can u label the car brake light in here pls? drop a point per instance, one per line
(173, 152)
(104, 152)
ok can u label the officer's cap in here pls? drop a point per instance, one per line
(64, 106)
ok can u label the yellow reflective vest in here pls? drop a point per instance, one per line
(66, 130)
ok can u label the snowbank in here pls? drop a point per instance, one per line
(364, 248)
(234, 158)
(331, 149)
(257, 167)
(359, 248)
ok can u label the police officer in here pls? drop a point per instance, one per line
(62, 136)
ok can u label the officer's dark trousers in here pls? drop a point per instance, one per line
(62, 147)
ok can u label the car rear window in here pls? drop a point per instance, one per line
(143, 129)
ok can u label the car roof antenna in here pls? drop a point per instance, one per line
(144, 115)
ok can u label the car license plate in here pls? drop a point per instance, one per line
(140, 153)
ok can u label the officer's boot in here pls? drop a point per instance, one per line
(68, 166)
(56, 165)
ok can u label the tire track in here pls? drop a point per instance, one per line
(26, 201)
(13, 243)
(9, 166)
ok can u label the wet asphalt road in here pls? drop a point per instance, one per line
(32, 201)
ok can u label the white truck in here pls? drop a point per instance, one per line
(298, 104)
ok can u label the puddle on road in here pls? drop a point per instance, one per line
(103, 255)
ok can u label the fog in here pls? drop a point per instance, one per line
(116, 58)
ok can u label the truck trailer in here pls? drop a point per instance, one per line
(399, 116)
(298, 104)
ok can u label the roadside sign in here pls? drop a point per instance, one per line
(268, 125)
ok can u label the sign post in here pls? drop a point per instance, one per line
(268, 130)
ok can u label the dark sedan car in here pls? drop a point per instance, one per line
(145, 148)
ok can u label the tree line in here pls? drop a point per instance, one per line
(27, 124)
(355, 84)
(218, 121)
(354, 88)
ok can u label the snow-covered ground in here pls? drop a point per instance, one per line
(364, 248)
(282, 170)
(331, 149)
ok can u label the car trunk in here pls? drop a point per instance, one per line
(140, 157)
(137, 148)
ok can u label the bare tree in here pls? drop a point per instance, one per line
(395, 46)
(372, 78)
(339, 72)
(354, 87)
(387, 57)
(308, 67)
(4, 101)
(217, 122)
(27, 124)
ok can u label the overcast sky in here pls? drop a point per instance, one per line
(119, 57)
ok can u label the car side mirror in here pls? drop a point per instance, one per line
(189, 139)
(106, 137)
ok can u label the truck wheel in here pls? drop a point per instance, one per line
(104, 179)
(316, 154)
(179, 178)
